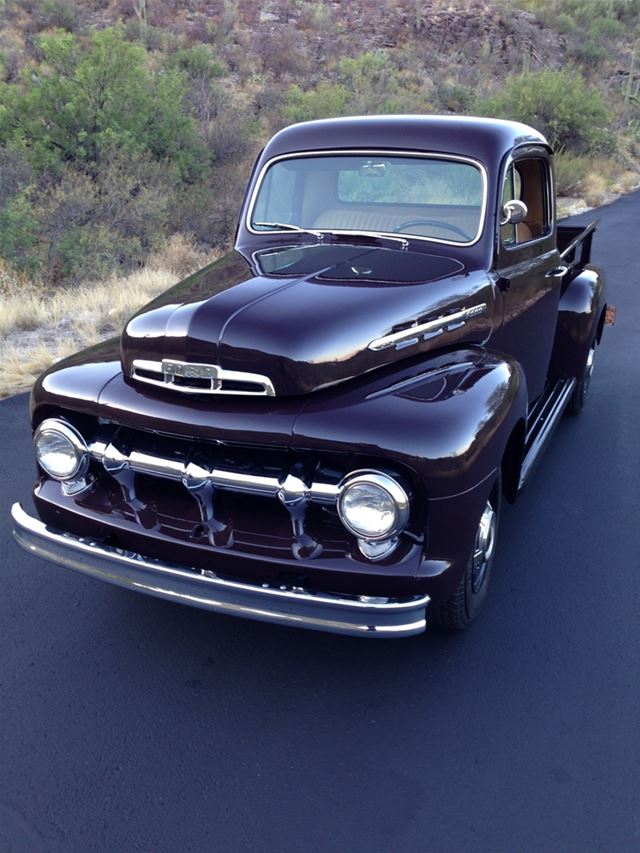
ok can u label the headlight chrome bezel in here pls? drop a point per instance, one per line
(76, 442)
(391, 488)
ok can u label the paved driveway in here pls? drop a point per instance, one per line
(132, 724)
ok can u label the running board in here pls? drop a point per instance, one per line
(543, 420)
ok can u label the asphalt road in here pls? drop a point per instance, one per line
(127, 723)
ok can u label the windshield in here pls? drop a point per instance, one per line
(435, 198)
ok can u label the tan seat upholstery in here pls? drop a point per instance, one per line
(523, 233)
(356, 220)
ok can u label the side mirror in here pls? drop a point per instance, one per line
(514, 212)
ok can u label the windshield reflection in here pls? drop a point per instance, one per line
(422, 196)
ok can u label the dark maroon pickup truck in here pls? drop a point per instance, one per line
(318, 429)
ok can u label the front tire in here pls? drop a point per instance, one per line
(469, 596)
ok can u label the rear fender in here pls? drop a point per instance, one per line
(580, 319)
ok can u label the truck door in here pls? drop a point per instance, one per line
(528, 270)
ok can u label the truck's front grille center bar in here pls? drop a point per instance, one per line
(192, 378)
(194, 475)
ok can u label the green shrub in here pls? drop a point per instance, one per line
(570, 171)
(326, 100)
(571, 114)
(82, 100)
(199, 62)
(19, 233)
(454, 97)
(370, 83)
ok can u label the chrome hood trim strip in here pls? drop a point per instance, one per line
(405, 337)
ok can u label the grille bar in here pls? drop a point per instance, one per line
(288, 488)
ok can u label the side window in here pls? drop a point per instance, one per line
(526, 180)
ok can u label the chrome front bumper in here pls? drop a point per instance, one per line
(339, 614)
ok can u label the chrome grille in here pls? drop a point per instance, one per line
(195, 378)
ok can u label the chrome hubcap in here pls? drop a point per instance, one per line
(484, 547)
(588, 369)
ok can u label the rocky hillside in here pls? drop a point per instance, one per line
(125, 121)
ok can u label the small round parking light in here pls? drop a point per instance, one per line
(60, 450)
(373, 506)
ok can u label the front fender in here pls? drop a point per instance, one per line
(580, 315)
(447, 418)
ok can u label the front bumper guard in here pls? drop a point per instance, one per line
(339, 614)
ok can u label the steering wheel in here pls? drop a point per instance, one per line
(411, 222)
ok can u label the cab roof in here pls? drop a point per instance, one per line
(484, 139)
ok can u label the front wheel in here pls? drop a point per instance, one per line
(469, 596)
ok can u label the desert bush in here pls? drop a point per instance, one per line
(199, 62)
(97, 142)
(583, 13)
(19, 233)
(60, 13)
(81, 100)
(269, 48)
(15, 173)
(453, 97)
(571, 114)
(591, 178)
(11, 62)
(372, 80)
(594, 30)
(80, 226)
(179, 255)
(570, 172)
(44, 14)
(370, 83)
(325, 100)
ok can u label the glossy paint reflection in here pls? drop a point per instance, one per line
(306, 315)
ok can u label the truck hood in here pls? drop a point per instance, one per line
(302, 318)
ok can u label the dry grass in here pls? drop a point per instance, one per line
(22, 365)
(626, 182)
(594, 180)
(593, 189)
(38, 329)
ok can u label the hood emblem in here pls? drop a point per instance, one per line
(189, 370)
(411, 335)
(194, 378)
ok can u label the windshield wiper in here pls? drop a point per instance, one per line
(289, 226)
(374, 235)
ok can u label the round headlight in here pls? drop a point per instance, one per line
(60, 449)
(372, 505)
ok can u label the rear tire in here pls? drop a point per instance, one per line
(578, 397)
(469, 596)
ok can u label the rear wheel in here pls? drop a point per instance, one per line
(582, 387)
(469, 596)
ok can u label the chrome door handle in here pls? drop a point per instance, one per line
(557, 272)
